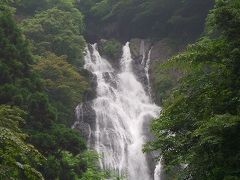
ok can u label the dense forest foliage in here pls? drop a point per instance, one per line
(198, 131)
(41, 81)
(125, 19)
(40, 85)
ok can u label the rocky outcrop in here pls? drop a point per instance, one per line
(163, 80)
(90, 92)
(85, 121)
(161, 51)
(85, 114)
(139, 51)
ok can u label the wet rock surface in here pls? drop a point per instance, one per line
(86, 115)
(85, 120)
(163, 80)
(161, 51)
(139, 50)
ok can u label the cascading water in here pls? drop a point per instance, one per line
(122, 109)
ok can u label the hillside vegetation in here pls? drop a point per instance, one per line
(125, 19)
(41, 82)
(40, 85)
(198, 130)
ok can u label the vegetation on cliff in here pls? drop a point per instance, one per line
(112, 49)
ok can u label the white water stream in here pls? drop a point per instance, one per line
(122, 109)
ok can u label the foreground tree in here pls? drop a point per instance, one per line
(58, 31)
(18, 159)
(199, 128)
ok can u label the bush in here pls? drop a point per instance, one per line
(112, 49)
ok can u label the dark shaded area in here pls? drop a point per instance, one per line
(144, 18)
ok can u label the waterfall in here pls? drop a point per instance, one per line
(123, 109)
(147, 66)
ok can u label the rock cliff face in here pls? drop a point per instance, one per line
(160, 52)
(162, 81)
(85, 121)
(85, 114)
(140, 48)
(141, 51)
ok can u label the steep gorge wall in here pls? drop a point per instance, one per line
(141, 50)
(161, 80)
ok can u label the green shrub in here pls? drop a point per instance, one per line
(112, 49)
